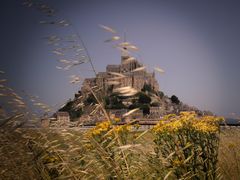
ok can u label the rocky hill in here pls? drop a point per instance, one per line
(124, 87)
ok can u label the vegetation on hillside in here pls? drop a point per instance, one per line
(69, 107)
(142, 100)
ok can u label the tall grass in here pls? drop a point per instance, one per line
(109, 151)
(96, 154)
(229, 153)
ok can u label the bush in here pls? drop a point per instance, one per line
(147, 87)
(160, 94)
(90, 100)
(143, 98)
(107, 142)
(70, 109)
(114, 102)
(186, 147)
(175, 99)
(145, 109)
(188, 144)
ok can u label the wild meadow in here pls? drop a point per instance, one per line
(173, 149)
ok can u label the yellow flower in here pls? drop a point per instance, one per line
(137, 126)
(231, 145)
(117, 119)
(176, 125)
(187, 120)
(100, 128)
(177, 163)
(205, 127)
(122, 128)
(88, 146)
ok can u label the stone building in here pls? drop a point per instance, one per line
(135, 79)
(45, 122)
(155, 112)
(117, 113)
(63, 119)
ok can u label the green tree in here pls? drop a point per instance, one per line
(147, 87)
(143, 98)
(73, 113)
(160, 94)
(106, 101)
(90, 100)
(145, 109)
(175, 99)
(114, 102)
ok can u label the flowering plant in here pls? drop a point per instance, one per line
(188, 144)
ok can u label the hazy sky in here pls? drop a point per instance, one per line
(197, 43)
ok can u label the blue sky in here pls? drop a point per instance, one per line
(195, 42)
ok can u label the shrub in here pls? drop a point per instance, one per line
(175, 99)
(188, 145)
(143, 98)
(109, 147)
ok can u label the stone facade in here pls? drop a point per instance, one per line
(45, 123)
(117, 113)
(63, 119)
(134, 79)
(155, 112)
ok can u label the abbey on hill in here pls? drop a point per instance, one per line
(151, 102)
(130, 76)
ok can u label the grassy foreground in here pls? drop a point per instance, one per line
(229, 153)
(68, 154)
(24, 165)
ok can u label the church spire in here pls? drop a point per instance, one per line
(124, 53)
(124, 37)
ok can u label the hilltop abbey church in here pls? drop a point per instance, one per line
(135, 79)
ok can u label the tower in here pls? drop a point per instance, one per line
(124, 50)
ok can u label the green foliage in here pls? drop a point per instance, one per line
(106, 101)
(90, 100)
(143, 98)
(160, 94)
(145, 108)
(67, 107)
(74, 113)
(114, 102)
(147, 88)
(112, 151)
(189, 145)
(175, 99)
(142, 102)
(134, 105)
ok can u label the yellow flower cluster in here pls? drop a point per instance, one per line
(117, 119)
(189, 120)
(205, 127)
(106, 126)
(177, 163)
(168, 126)
(136, 126)
(122, 128)
(101, 128)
